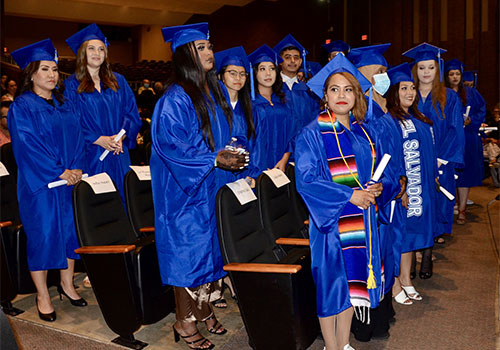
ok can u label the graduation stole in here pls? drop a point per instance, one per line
(344, 171)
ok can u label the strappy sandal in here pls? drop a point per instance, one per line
(402, 298)
(220, 304)
(203, 340)
(217, 328)
(461, 220)
(411, 292)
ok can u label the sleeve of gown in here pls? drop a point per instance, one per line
(477, 110)
(179, 143)
(452, 148)
(34, 157)
(258, 145)
(78, 142)
(324, 198)
(131, 120)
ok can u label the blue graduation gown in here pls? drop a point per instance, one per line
(326, 201)
(473, 172)
(273, 131)
(105, 114)
(419, 160)
(46, 141)
(304, 104)
(449, 140)
(185, 184)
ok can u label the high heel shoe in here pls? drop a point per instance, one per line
(217, 328)
(402, 298)
(74, 302)
(177, 337)
(412, 292)
(50, 317)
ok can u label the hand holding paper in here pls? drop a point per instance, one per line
(63, 182)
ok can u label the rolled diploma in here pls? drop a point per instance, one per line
(62, 182)
(393, 206)
(446, 193)
(381, 167)
(489, 128)
(116, 139)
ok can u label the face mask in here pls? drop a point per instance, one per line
(382, 83)
(146, 85)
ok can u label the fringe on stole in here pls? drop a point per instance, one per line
(362, 312)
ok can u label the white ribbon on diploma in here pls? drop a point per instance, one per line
(62, 182)
(116, 139)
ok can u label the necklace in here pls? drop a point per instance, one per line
(371, 282)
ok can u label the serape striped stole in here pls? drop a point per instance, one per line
(353, 235)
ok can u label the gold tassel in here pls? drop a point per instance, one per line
(371, 282)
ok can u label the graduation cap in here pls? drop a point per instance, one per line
(289, 42)
(338, 64)
(425, 52)
(90, 32)
(400, 73)
(337, 45)
(453, 64)
(368, 55)
(471, 76)
(40, 51)
(262, 54)
(180, 35)
(313, 67)
(234, 56)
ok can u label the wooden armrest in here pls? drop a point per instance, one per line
(293, 241)
(6, 223)
(265, 268)
(103, 249)
(147, 229)
(306, 222)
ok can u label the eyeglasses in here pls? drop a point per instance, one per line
(235, 74)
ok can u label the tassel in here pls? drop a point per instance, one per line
(371, 282)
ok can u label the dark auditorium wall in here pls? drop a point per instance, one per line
(468, 29)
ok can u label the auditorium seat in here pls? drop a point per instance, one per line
(123, 269)
(297, 201)
(276, 292)
(140, 209)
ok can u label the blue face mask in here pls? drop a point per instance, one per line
(382, 83)
(146, 85)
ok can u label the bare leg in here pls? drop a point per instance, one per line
(43, 297)
(67, 280)
(328, 329)
(462, 194)
(229, 284)
(344, 327)
(404, 272)
(336, 329)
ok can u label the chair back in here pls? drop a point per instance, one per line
(296, 198)
(8, 186)
(241, 235)
(100, 218)
(139, 199)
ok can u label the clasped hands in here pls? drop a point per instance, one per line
(232, 160)
(109, 144)
(364, 198)
(73, 176)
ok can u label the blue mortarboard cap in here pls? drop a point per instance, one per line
(288, 42)
(337, 45)
(400, 73)
(264, 54)
(233, 56)
(338, 64)
(368, 55)
(313, 67)
(90, 32)
(40, 51)
(453, 64)
(180, 35)
(424, 52)
(470, 76)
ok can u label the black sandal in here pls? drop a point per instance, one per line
(217, 328)
(220, 304)
(177, 337)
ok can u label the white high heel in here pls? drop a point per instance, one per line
(412, 292)
(402, 298)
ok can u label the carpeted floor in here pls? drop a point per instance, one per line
(459, 309)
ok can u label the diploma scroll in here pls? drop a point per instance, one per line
(63, 182)
(393, 206)
(489, 128)
(446, 193)
(116, 139)
(380, 168)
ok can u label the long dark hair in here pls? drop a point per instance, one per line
(397, 112)
(27, 83)
(246, 103)
(277, 86)
(438, 92)
(461, 90)
(83, 76)
(189, 74)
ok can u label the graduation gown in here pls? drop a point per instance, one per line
(304, 104)
(105, 114)
(326, 201)
(473, 172)
(273, 131)
(46, 141)
(449, 140)
(185, 183)
(419, 160)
